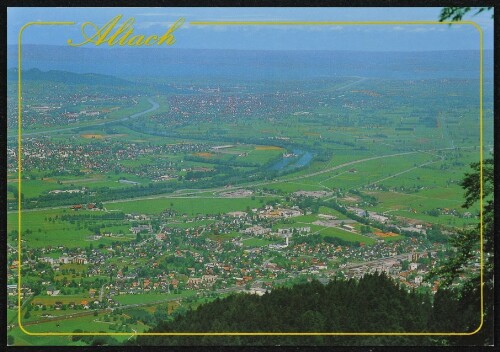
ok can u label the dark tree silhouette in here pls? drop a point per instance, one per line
(467, 243)
(457, 13)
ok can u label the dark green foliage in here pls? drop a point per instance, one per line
(316, 238)
(467, 299)
(457, 13)
(434, 234)
(372, 304)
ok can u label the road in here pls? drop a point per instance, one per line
(261, 183)
(406, 171)
(154, 106)
(186, 192)
(101, 293)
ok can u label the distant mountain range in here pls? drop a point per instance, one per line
(68, 78)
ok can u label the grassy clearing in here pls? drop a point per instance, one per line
(151, 297)
(294, 186)
(346, 235)
(22, 339)
(448, 220)
(89, 323)
(190, 206)
(73, 266)
(418, 201)
(11, 314)
(256, 242)
(333, 212)
(66, 299)
(224, 237)
(40, 231)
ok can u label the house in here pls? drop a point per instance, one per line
(256, 230)
(160, 236)
(194, 281)
(65, 260)
(140, 228)
(348, 227)
(51, 291)
(12, 290)
(47, 260)
(237, 214)
(209, 278)
(257, 291)
(305, 229)
(283, 232)
(288, 213)
(80, 260)
(321, 266)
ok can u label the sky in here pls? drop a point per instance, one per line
(148, 21)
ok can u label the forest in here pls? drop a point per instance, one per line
(374, 303)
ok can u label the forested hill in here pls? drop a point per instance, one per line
(69, 78)
(372, 304)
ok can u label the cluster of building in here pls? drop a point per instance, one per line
(45, 154)
(170, 258)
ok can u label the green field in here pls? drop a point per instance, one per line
(224, 237)
(346, 235)
(88, 323)
(151, 297)
(39, 231)
(65, 299)
(256, 242)
(190, 206)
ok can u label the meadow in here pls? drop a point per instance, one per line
(188, 205)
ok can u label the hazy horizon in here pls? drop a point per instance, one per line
(253, 64)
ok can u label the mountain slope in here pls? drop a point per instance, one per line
(68, 78)
(372, 304)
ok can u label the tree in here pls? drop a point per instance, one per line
(455, 14)
(466, 243)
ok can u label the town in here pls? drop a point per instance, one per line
(139, 207)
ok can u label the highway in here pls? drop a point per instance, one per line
(191, 192)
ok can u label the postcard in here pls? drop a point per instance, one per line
(316, 176)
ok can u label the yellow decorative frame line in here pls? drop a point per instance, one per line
(267, 23)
